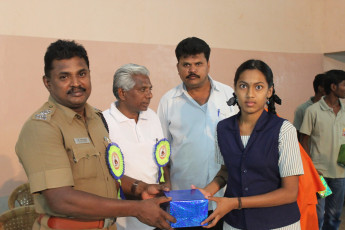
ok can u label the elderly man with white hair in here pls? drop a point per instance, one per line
(135, 128)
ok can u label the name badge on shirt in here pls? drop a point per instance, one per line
(82, 140)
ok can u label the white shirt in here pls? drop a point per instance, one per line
(136, 141)
(190, 129)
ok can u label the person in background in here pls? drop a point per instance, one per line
(135, 128)
(309, 183)
(324, 128)
(62, 149)
(319, 92)
(189, 114)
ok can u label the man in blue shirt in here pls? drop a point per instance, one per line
(189, 114)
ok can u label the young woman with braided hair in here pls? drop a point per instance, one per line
(260, 158)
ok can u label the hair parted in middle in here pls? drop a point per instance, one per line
(267, 72)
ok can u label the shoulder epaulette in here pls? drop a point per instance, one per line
(97, 110)
(100, 114)
(45, 112)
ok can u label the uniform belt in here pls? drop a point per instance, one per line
(69, 223)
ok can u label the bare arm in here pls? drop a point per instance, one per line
(137, 189)
(218, 182)
(305, 145)
(299, 136)
(79, 204)
(166, 170)
(284, 195)
(304, 142)
(83, 205)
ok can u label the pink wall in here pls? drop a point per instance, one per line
(22, 90)
(265, 25)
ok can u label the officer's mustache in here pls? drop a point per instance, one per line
(193, 75)
(76, 89)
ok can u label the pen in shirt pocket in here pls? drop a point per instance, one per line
(218, 112)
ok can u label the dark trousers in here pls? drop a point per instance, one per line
(219, 226)
(329, 209)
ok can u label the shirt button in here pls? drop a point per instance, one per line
(245, 170)
(246, 189)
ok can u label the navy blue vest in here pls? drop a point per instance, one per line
(253, 171)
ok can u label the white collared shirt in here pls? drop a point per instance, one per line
(190, 128)
(137, 142)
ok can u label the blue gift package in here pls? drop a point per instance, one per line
(189, 207)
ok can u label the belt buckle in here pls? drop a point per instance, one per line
(109, 222)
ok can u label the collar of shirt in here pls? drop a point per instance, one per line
(310, 101)
(122, 118)
(70, 114)
(324, 105)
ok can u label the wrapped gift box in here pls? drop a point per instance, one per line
(189, 207)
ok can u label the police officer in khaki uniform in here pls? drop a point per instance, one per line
(62, 148)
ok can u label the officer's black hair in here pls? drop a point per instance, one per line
(63, 49)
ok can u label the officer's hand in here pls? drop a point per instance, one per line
(167, 185)
(153, 190)
(151, 214)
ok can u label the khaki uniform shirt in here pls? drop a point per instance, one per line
(327, 134)
(57, 148)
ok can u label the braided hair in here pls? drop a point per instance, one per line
(267, 72)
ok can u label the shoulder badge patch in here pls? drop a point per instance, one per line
(43, 114)
(97, 110)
